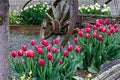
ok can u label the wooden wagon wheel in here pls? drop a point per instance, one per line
(65, 17)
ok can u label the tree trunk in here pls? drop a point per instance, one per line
(4, 35)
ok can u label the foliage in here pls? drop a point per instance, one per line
(95, 9)
(100, 43)
(34, 14)
(13, 17)
(45, 62)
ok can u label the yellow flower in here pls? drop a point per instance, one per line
(30, 73)
(89, 75)
(22, 77)
(13, 78)
(28, 78)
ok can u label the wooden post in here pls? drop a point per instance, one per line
(4, 35)
(73, 19)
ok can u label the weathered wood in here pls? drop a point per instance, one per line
(112, 73)
(73, 19)
(25, 28)
(4, 40)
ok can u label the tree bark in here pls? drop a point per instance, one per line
(4, 35)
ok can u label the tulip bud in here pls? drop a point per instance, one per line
(100, 29)
(60, 61)
(87, 36)
(40, 51)
(76, 40)
(54, 50)
(112, 29)
(24, 47)
(97, 24)
(100, 37)
(32, 42)
(116, 30)
(48, 48)
(45, 42)
(41, 62)
(80, 33)
(70, 48)
(106, 22)
(87, 25)
(14, 54)
(77, 49)
(104, 30)
(49, 56)
(65, 53)
(88, 30)
(109, 33)
(94, 27)
(94, 35)
(20, 52)
(115, 26)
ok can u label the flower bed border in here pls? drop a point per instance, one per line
(25, 28)
(83, 18)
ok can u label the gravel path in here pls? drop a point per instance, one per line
(19, 39)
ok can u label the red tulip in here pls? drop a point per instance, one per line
(37, 47)
(40, 51)
(56, 41)
(87, 36)
(109, 33)
(109, 26)
(83, 30)
(76, 40)
(104, 30)
(116, 30)
(87, 25)
(77, 48)
(14, 54)
(45, 42)
(80, 33)
(112, 29)
(20, 52)
(94, 35)
(100, 37)
(24, 47)
(97, 24)
(48, 48)
(60, 61)
(106, 22)
(54, 50)
(30, 53)
(32, 42)
(70, 48)
(94, 27)
(49, 56)
(115, 25)
(41, 62)
(100, 29)
(88, 30)
(65, 53)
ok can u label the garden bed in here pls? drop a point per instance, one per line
(91, 18)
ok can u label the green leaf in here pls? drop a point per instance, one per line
(93, 69)
(78, 78)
